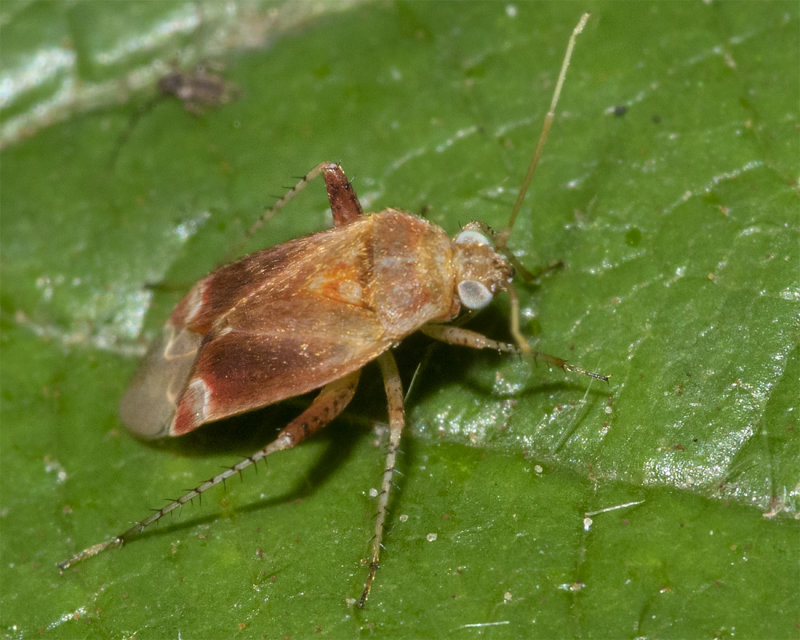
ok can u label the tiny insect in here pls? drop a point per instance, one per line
(197, 90)
(309, 314)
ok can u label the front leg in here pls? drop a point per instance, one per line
(475, 340)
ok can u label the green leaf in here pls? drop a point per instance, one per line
(530, 502)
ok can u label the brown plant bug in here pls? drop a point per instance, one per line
(309, 314)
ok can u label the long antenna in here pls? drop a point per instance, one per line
(502, 237)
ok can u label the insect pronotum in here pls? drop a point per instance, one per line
(309, 314)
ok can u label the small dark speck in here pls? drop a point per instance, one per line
(656, 119)
(620, 110)
(633, 237)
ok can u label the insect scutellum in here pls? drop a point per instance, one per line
(309, 314)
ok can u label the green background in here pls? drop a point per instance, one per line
(678, 222)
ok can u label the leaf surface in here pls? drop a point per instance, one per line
(530, 502)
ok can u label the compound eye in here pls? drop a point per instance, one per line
(474, 295)
(470, 236)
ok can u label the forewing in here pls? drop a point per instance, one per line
(275, 324)
(246, 365)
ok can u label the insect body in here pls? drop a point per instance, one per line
(198, 89)
(290, 319)
(309, 314)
